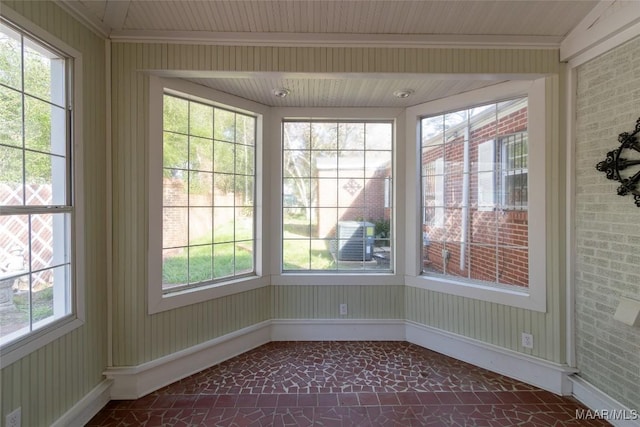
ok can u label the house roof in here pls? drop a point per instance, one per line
(540, 24)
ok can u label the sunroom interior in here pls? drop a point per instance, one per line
(245, 172)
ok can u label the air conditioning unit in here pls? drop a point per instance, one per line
(355, 240)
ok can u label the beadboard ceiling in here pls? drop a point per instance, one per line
(392, 23)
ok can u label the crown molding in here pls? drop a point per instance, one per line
(338, 40)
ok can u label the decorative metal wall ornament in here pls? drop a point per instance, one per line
(615, 163)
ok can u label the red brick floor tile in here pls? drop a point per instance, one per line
(345, 384)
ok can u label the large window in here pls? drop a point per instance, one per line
(36, 203)
(475, 181)
(208, 180)
(336, 193)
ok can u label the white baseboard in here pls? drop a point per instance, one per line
(87, 407)
(604, 406)
(537, 372)
(137, 381)
(337, 330)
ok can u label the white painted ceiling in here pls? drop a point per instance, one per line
(541, 23)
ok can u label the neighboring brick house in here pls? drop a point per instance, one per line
(351, 198)
(492, 245)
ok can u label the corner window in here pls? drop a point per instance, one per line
(336, 196)
(475, 182)
(208, 177)
(37, 211)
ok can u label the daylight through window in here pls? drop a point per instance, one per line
(337, 196)
(35, 181)
(208, 231)
(474, 193)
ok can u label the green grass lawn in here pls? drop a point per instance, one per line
(204, 262)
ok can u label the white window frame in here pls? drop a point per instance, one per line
(159, 301)
(534, 296)
(22, 346)
(331, 278)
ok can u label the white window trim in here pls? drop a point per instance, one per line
(60, 327)
(347, 278)
(533, 297)
(157, 301)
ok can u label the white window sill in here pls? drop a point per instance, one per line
(514, 296)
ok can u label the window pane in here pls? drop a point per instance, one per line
(175, 115)
(16, 304)
(10, 117)
(244, 160)
(45, 127)
(513, 266)
(351, 136)
(296, 254)
(175, 231)
(200, 189)
(48, 298)
(296, 136)
(200, 263)
(243, 257)
(174, 190)
(224, 125)
(200, 226)
(49, 245)
(243, 224)
(174, 267)
(245, 130)
(200, 120)
(10, 57)
(224, 260)
(223, 222)
(43, 73)
(175, 151)
(201, 154)
(378, 136)
(324, 136)
(224, 157)
(45, 179)
(11, 176)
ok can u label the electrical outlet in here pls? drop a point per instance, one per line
(527, 340)
(343, 309)
(13, 419)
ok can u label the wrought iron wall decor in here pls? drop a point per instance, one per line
(615, 163)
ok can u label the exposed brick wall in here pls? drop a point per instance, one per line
(607, 229)
(501, 265)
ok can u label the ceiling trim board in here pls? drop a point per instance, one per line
(339, 40)
(609, 20)
(115, 14)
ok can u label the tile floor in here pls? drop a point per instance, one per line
(344, 384)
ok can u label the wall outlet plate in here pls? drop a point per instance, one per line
(527, 340)
(343, 309)
(14, 418)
